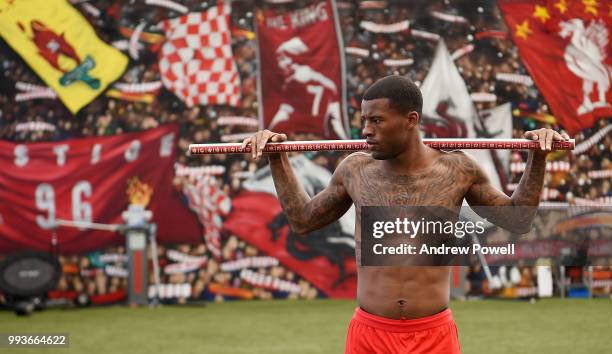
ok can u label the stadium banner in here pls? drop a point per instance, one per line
(566, 42)
(60, 45)
(90, 179)
(301, 80)
(325, 257)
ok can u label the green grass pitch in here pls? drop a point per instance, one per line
(270, 327)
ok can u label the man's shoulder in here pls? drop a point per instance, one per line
(359, 154)
(355, 161)
(358, 158)
(458, 156)
(462, 162)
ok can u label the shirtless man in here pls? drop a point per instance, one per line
(401, 309)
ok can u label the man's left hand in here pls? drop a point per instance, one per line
(545, 137)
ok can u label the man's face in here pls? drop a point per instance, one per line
(384, 129)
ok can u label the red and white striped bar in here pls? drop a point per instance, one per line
(358, 145)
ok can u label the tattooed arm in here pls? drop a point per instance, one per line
(514, 213)
(304, 214)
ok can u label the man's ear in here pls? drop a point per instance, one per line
(413, 119)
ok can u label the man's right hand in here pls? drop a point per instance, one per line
(259, 140)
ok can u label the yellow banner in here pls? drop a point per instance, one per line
(61, 47)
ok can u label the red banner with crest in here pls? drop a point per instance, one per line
(565, 47)
(301, 72)
(92, 180)
(320, 257)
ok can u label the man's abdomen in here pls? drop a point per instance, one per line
(403, 292)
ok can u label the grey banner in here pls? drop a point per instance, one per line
(437, 236)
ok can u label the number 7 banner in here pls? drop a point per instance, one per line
(301, 75)
(93, 180)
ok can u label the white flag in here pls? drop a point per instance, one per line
(448, 108)
(498, 125)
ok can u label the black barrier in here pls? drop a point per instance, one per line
(29, 274)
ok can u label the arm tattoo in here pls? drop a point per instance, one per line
(305, 214)
(516, 212)
(532, 181)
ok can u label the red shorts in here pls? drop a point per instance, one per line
(369, 334)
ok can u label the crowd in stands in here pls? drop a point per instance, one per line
(109, 116)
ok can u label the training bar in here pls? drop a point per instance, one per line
(357, 145)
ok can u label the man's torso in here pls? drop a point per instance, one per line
(404, 292)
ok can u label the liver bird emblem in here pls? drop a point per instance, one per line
(584, 56)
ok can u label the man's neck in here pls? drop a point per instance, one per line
(415, 157)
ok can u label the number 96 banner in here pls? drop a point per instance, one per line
(301, 79)
(93, 180)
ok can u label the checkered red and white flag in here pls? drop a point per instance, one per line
(196, 61)
(210, 203)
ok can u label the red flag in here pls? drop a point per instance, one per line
(89, 180)
(301, 77)
(196, 61)
(564, 46)
(256, 218)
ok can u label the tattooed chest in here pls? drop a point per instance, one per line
(439, 189)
